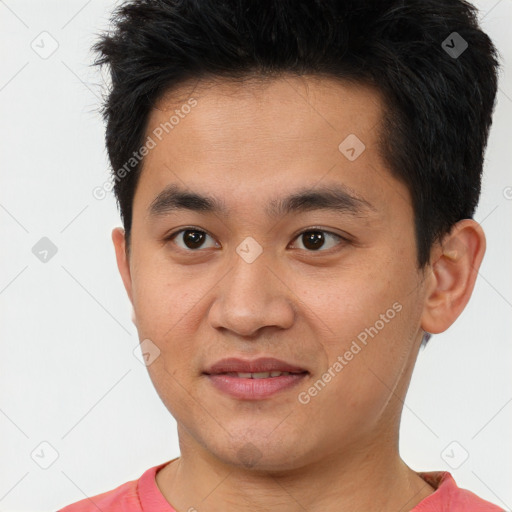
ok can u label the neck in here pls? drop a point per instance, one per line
(358, 481)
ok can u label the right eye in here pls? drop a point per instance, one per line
(191, 237)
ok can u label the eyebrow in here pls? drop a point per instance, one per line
(336, 198)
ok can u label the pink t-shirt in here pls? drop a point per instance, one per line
(143, 495)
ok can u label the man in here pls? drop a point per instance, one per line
(297, 182)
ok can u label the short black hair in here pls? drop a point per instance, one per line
(439, 94)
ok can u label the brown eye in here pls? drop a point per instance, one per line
(191, 238)
(315, 239)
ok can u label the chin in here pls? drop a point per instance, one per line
(259, 455)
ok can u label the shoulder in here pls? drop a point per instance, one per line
(466, 500)
(449, 497)
(132, 496)
(121, 499)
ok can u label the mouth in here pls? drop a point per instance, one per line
(254, 380)
(255, 367)
(258, 375)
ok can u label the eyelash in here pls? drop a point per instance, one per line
(313, 229)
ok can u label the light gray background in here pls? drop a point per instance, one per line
(69, 376)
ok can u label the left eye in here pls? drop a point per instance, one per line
(313, 239)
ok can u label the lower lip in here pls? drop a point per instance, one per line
(254, 389)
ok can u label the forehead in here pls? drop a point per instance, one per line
(256, 98)
(285, 118)
(266, 134)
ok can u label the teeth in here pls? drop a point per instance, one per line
(260, 375)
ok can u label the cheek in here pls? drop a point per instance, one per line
(160, 294)
(170, 308)
(374, 321)
(349, 304)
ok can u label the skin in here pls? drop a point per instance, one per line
(248, 144)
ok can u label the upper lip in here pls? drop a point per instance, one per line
(262, 364)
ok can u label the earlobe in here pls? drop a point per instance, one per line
(123, 264)
(454, 270)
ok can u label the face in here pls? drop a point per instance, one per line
(328, 283)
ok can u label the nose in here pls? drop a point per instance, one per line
(251, 297)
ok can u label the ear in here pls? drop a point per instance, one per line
(123, 262)
(454, 269)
